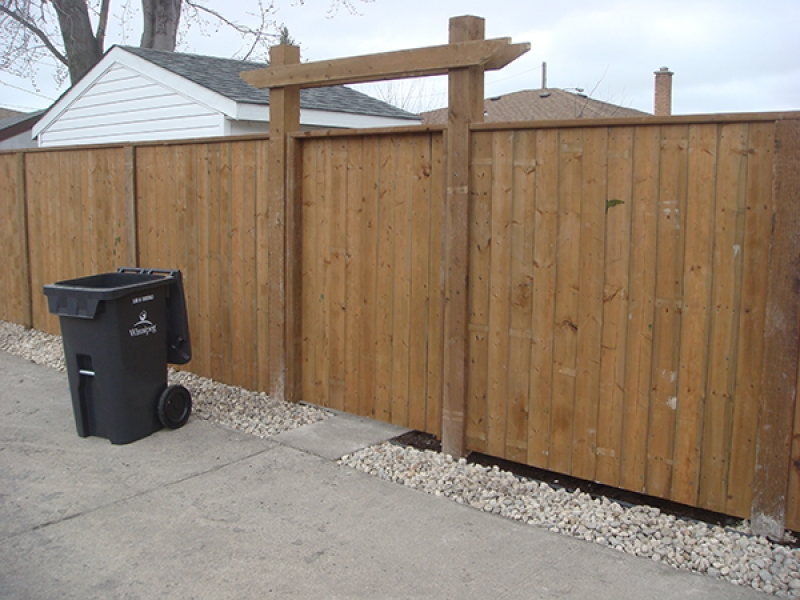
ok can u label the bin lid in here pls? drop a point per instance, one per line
(80, 297)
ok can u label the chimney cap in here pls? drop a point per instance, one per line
(664, 70)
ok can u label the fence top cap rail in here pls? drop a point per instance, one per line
(643, 120)
(491, 54)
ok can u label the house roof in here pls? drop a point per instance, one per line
(11, 126)
(7, 112)
(540, 105)
(221, 75)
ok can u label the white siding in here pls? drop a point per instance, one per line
(247, 127)
(122, 106)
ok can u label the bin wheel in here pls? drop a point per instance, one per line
(174, 406)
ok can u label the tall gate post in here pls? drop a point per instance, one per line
(465, 106)
(284, 119)
(775, 467)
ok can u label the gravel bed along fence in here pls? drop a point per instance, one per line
(730, 554)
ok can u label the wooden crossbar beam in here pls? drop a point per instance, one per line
(434, 60)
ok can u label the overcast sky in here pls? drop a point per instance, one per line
(727, 55)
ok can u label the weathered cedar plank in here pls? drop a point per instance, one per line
(697, 297)
(385, 275)
(419, 301)
(401, 318)
(336, 296)
(369, 270)
(750, 351)
(616, 291)
(354, 203)
(499, 293)
(727, 264)
(523, 218)
(324, 209)
(479, 260)
(568, 253)
(590, 302)
(310, 279)
(545, 237)
(667, 321)
(433, 419)
(774, 460)
(644, 217)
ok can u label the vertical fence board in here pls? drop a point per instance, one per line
(310, 280)
(401, 317)
(354, 204)
(616, 291)
(433, 418)
(499, 293)
(728, 234)
(590, 302)
(568, 253)
(420, 202)
(335, 296)
(369, 273)
(695, 315)
(544, 297)
(479, 260)
(385, 287)
(755, 255)
(667, 320)
(636, 405)
(523, 218)
(774, 460)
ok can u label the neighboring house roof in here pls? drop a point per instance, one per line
(7, 112)
(221, 75)
(540, 105)
(136, 94)
(14, 125)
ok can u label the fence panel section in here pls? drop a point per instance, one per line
(618, 294)
(76, 219)
(15, 300)
(198, 210)
(371, 277)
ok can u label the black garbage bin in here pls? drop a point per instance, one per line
(119, 332)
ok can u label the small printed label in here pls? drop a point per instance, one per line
(141, 299)
(143, 326)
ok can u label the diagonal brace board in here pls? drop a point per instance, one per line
(434, 60)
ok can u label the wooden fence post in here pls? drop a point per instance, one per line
(284, 118)
(465, 106)
(781, 339)
(26, 302)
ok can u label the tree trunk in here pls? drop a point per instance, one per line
(82, 48)
(161, 19)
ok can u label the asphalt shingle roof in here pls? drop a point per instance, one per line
(221, 75)
(9, 122)
(540, 105)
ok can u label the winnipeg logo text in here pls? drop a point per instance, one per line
(143, 327)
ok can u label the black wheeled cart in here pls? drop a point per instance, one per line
(119, 332)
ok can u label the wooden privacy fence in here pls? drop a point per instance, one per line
(633, 284)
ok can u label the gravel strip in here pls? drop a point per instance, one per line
(729, 554)
(251, 412)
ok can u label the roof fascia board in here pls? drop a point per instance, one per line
(179, 84)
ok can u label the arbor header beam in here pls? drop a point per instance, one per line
(433, 60)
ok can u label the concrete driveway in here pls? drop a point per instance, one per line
(209, 512)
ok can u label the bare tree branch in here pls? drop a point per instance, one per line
(36, 31)
(102, 22)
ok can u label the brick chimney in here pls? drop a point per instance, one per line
(663, 103)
